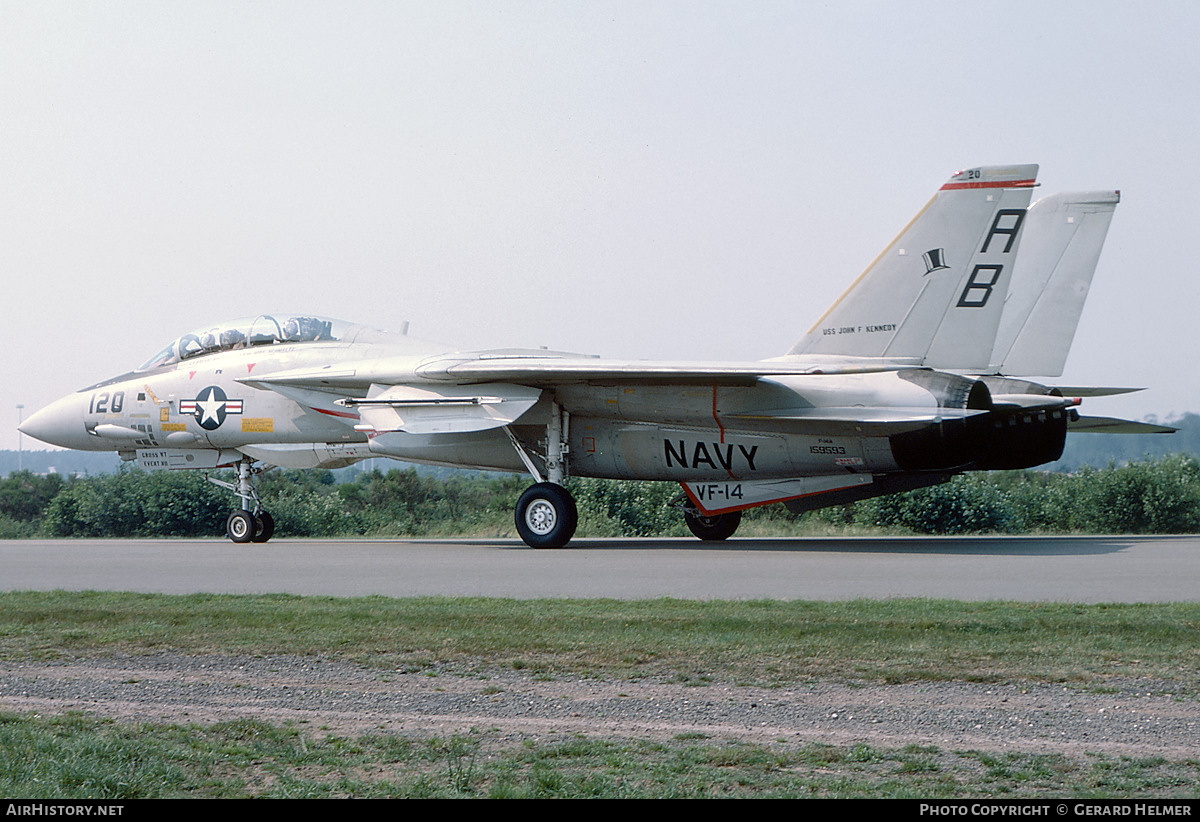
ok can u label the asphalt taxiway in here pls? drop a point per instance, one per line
(1031, 569)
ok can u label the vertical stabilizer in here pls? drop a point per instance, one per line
(936, 293)
(1064, 235)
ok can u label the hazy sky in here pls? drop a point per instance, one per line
(684, 180)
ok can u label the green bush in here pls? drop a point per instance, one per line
(24, 496)
(403, 502)
(138, 504)
(965, 505)
(1153, 496)
(631, 509)
(1150, 497)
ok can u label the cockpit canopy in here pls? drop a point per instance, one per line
(265, 329)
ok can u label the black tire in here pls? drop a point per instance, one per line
(241, 527)
(266, 527)
(715, 528)
(546, 516)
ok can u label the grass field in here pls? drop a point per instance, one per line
(752, 642)
(74, 756)
(772, 644)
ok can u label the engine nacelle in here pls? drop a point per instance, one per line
(1008, 436)
(1023, 439)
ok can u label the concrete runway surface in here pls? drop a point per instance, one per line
(1031, 569)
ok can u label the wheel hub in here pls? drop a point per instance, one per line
(540, 517)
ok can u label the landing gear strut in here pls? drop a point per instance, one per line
(546, 515)
(251, 523)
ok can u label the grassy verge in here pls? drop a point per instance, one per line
(76, 756)
(767, 643)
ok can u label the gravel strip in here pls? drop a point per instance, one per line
(332, 696)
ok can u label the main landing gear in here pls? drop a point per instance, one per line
(545, 515)
(251, 523)
(713, 528)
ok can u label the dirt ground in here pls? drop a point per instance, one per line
(331, 696)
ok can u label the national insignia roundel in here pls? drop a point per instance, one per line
(210, 407)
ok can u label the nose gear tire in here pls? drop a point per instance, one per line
(241, 527)
(265, 526)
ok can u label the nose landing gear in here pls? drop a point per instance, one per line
(243, 526)
(251, 523)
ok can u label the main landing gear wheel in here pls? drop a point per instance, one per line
(714, 528)
(546, 516)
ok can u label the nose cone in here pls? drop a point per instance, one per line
(61, 423)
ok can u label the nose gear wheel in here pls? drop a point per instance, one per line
(251, 523)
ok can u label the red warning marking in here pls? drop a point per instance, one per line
(991, 184)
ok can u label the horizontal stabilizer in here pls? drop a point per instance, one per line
(1112, 425)
(1093, 390)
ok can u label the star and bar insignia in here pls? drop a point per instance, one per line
(210, 408)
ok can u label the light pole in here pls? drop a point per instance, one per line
(20, 409)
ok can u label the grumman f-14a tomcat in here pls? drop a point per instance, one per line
(917, 373)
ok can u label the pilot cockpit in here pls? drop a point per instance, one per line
(264, 329)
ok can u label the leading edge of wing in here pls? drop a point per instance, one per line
(550, 371)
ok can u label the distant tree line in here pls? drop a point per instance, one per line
(1152, 496)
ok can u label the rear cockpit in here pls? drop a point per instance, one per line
(248, 332)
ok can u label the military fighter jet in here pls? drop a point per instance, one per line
(917, 373)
